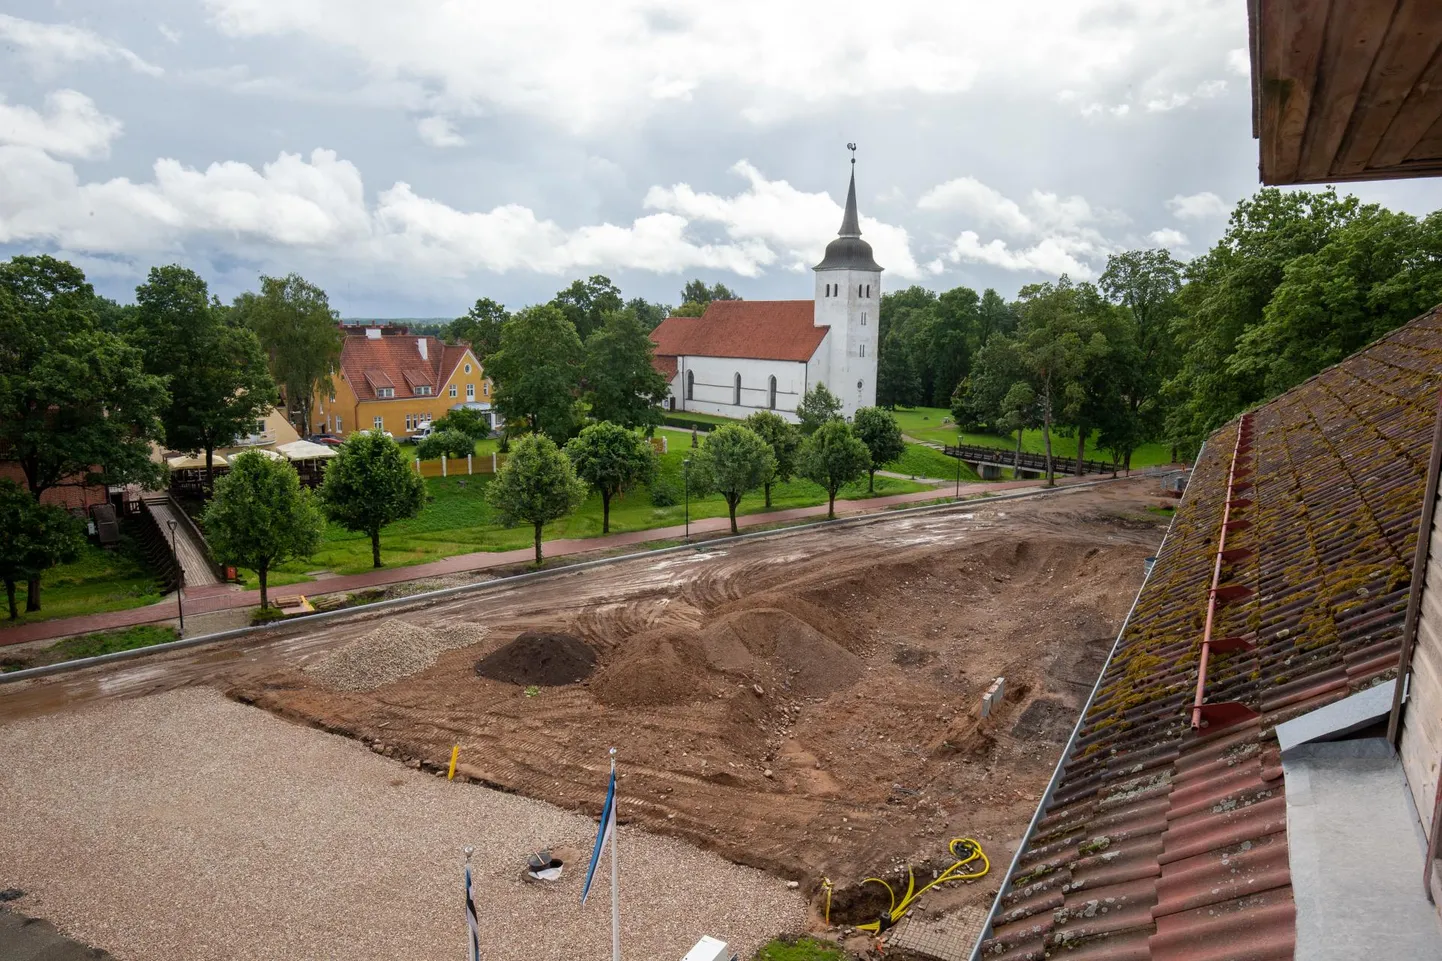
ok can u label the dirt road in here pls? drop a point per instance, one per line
(805, 704)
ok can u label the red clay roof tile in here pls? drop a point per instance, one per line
(394, 360)
(758, 329)
(1337, 469)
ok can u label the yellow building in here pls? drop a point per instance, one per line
(396, 381)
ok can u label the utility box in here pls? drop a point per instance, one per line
(709, 949)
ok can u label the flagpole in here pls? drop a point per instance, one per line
(473, 947)
(615, 875)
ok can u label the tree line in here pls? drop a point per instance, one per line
(1161, 350)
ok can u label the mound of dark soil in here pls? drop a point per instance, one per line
(543, 659)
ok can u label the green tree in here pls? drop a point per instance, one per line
(470, 422)
(696, 292)
(301, 336)
(536, 485)
(586, 303)
(1145, 284)
(217, 374)
(731, 461)
(36, 538)
(260, 517)
(455, 444)
(369, 485)
(833, 457)
(480, 327)
(76, 405)
(610, 458)
(537, 372)
(979, 400)
(1054, 342)
(784, 439)
(649, 315)
(881, 434)
(897, 384)
(622, 384)
(818, 405)
(689, 309)
(1226, 293)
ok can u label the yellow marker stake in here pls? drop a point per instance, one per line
(455, 752)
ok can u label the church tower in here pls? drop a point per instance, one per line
(848, 300)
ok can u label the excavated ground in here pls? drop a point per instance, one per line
(807, 704)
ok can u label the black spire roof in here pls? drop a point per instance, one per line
(848, 251)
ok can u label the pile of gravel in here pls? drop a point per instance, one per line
(392, 651)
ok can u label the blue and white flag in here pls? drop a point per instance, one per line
(603, 834)
(471, 916)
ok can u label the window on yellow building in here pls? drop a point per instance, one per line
(380, 423)
(486, 388)
(470, 392)
(453, 390)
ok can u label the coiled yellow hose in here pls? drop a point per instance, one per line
(965, 850)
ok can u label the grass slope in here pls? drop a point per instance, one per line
(92, 645)
(99, 580)
(926, 423)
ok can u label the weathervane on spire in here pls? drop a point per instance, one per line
(852, 148)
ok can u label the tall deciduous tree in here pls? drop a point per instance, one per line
(648, 315)
(732, 461)
(622, 384)
(260, 516)
(784, 439)
(896, 382)
(76, 405)
(818, 405)
(610, 458)
(1145, 284)
(833, 457)
(586, 303)
(217, 374)
(480, 327)
(881, 434)
(535, 486)
(537, 371)
(301, 336)
(1053, 343)
(36, 538)
(369, 485)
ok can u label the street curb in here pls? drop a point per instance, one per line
(429, 597)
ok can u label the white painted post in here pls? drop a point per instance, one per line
(494, 468)
(468, 465)
(418, 466)
(665, 444)
(443, 466)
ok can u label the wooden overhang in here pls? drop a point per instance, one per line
(1346, 90)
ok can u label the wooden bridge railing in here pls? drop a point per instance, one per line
(975, 453)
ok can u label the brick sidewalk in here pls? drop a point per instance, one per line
(214, 599)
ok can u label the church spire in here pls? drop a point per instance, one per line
(851, 223)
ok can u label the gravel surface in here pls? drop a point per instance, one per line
(392, 651)
(186, 826)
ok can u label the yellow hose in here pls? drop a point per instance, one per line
(965, 850)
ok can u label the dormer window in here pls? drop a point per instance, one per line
(423, 391)
(385, 391)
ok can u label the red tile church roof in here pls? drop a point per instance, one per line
(757, 329)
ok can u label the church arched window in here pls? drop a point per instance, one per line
(868, 290)
(736, 391)
(690, 385)
(863, 350)
(771, 393)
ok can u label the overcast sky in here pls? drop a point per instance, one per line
(412, 156)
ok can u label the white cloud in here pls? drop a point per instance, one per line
(1168, 237)
(1046, 233)
(1239, 62)
(71, 126)
(584, 65)
(50, 45)
(438, 131)
(969, 196)
(1198, 206)
(1048, 256)
(169, 33)
(1205, 90)
(317, 205)
(795, 224)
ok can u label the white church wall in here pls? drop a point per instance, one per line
(714, 387)
(849, 302)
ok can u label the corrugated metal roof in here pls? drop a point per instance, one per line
(1160, 842)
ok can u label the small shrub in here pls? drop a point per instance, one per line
(665, 492)
(266, 615)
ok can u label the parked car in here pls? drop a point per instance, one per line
(329, 440)
(422, 432)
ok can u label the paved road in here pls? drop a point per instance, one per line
(214, 598)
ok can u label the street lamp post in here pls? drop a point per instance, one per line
(686, 477)
(179, 577)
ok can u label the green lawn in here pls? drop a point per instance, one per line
(457, 520)
(802, 949)
(98, 581)
(919, 461)
(926, 423)
(92, 645)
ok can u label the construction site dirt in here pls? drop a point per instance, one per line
(808, 704)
